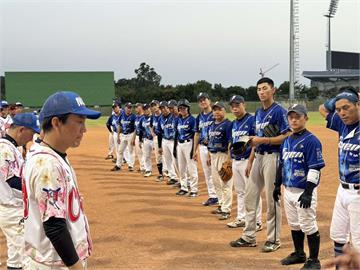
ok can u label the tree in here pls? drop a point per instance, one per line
(147, 76)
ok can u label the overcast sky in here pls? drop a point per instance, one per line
(185, 41)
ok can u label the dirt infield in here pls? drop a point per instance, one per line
(137, 223)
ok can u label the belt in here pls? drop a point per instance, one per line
(214, 152)
(350, 186)
(264, 152)
(184, 141)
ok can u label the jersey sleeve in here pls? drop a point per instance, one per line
(252, 126)
(192, 124)
(7, 163)
(313, 154)
(229, 131)
(282, 121)
(49, 188)
(334, 122)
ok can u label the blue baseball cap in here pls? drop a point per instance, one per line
(65, 102)
(28, 120)
(4, 104)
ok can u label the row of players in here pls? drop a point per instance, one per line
(293, 157)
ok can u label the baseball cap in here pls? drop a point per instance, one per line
(18, 104)
(65, 102)
(203, 95)
(28, 120)
(172, 103)
(184, 102)
(138, 104)
(163, 104)
(146, 106)
(219, 104)
(128, 104)
(297, 108)
(4, 104)
(349, 95)
(237, 99)
(154, 102)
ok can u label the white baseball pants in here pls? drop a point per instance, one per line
(33, 265)
(187, 163)
(147, 149)
(262, 175)
(10, 217)
(158, 157)
(168, 149)
(346, 217)
(139, 153)
(111, 144)
(125, 143)
(203, 152)
(223, 190)
(240, 182)
(298, 218)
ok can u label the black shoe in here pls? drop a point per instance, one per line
(210, 201)
(171, 182)
(193, 194)
(181, 192)
(217, 211)
(131, 169)
(116, 168)
(224, 216)
(242, 243)
(294, 258)
(124, 161)
(311, 264)
(109, 157)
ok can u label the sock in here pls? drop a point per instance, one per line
(314, 245)
(298, 240)
(159, 166)
(338, 248)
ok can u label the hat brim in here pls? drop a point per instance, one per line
(88, 113)
(297, 112)
(217, 106)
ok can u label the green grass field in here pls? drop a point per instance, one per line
(315, 119)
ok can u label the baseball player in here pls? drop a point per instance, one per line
(242, 127)
(20, 133)
(56, 228)
(5, 118)
(19, 107)
(125, 135)
(203, 122)
(299, 171)
(111, 136)
(112, 125)
(156, 114)
(219, 137)
(267, 147)
(146, 139)
(183, 150)
(166, 131)
(135, 141)
(342, 116)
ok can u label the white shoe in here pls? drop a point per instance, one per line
(147, 174)
(236, 223)
(258, 227)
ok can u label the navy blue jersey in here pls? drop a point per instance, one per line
(299, 153)
(242, 127)
(166, 127)
(137, 123)
(155, 122)
(274, 115)
(219, 136)
(349, 148)
(145, 127)
(127, 123)
(185, 128)
(113, 122)
(203, 122)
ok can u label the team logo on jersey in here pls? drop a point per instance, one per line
(349, 146)
(292, 154)
(53, 196)
(75, 206)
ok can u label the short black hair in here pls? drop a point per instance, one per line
(46, 123)
(265, 80)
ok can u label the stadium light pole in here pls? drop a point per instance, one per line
(294, 48)
(331, 13)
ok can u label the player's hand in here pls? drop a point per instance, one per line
(305, 199)
(208, 161)
(118, 140)
(133, 142)
(277, 193)
(255, 141)
(349, 260)
(248, 169)
(160, 151)
(195, 156)
(140, 145)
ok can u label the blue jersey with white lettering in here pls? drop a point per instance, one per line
(244, 126)
(203, 122)
(185, 128)
(166, 127)
(137, 124)
(274, 115)
(349, 148)
(155, 122)
(219, 136)
(113, 121)
(127, 123)
(299, 153)
(145, 128)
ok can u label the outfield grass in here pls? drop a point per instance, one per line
(315, 119)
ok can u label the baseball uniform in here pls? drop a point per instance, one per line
(155, 119)
(138, 149)
(126, 130)
(112, 125)
(148, 142)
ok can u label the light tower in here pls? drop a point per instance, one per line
(331, 13)
(294, 47)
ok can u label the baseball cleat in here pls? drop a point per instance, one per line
(236, 223)
(114, 160)
(217, 211)
(171, 182)
(270, 246)
(177, 185)
(181, 192)
(109, 157)
(311, 264)
(131, 169)
(224, 216)
(147, 174)
(124, 161)
(210, 201)
(258, 227)
(166, 173)
(115, 168)
(193, 194)
(159, 178)
(294, 258)
(242, 243)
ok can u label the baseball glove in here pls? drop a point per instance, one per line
(226, 171)
(271, 131)
(241, 146)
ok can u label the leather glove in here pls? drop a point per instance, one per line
(277, 193)
(306, 196)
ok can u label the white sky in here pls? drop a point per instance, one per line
(185, 41)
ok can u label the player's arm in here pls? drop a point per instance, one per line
(327, 107)
(108, 124)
